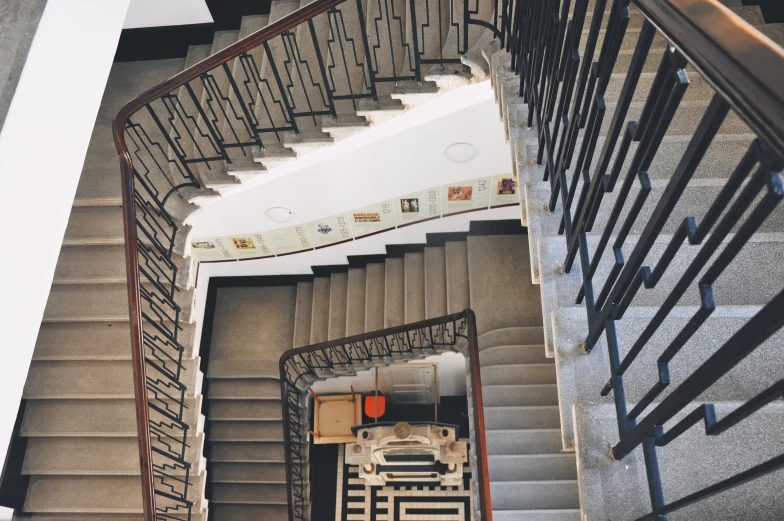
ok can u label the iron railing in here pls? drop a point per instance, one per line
(300, 368)
(229, 111)
(564, 79)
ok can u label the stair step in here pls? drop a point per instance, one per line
(374, 297)
(512, 336)
(509, 395)
(355, 301)
(64, 379)
(243, 410)
(517, 442)
(394, 293)
(94, 225)
(532, 467)
(83, 340)
(488, 256)
(87, 301)
(250, 512)
(457, 297)
(246, 431)
(248, 473)
(414, 287)
(91, 456)
(303, 314)
(90, 417)
(522, 374)
(249, 493)
(435, 282)
(90, 263)
(534, 495)
(537, 515)
(523, 417)
(246, 452)
(505, 355)
(338, 292)
(96, 494)
(319, 326)
(244, 389)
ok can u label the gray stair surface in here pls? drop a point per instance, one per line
(587, 422)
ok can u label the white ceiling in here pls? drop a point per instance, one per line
(161, 13)
(401, 156)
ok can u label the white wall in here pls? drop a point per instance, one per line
(42, 150)
(451, 378)
(160, 13)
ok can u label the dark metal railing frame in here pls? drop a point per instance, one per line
(359, 352)
(151, 233)
(564, 95)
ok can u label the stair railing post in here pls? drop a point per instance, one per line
(137, 332)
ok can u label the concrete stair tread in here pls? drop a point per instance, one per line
(249, 493)
(244, 389)
(244, 410)
(518, 374)
(512, 336)
(248, 473)
(67, 379)
(90, 417)
(506, 355)
(537, 515)
(524, 395)
(374, 297)
(246, 452)
(524, 441)
(251, 431)
(223, 512)
(91, 456)
(532, 467)
(522, 417)
(534, 495)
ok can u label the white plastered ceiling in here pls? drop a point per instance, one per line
(162, 13)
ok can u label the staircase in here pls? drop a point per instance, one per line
(531, 478)
(79, 419)
(541, 393)
(619, 490)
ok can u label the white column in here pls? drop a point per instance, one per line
(42, 149)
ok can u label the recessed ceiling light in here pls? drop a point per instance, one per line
(279, 214)
(460, 152)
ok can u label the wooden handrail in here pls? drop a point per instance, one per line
(129, 219)
(482, 470)
(735, 58)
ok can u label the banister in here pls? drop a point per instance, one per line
(129, 221)
(738, 60)
(480, 448)
(234, 50)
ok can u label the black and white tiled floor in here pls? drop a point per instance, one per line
(401, 501)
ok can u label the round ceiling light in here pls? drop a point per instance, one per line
(279, 214)
(460, 152)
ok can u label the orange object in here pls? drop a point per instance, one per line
(370, 406)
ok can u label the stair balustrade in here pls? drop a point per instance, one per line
(564, 80)
(246, 104)
(300, 368)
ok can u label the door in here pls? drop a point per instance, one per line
(409, 383)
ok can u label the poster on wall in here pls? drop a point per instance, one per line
(250, 246)
(211, 249)
(466, 195)
(417, 206)
(289, 240)
(330, 230)
(375, 218)
(503, 190)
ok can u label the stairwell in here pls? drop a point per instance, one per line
(79, 422)
(531, 478)
(619, 490)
